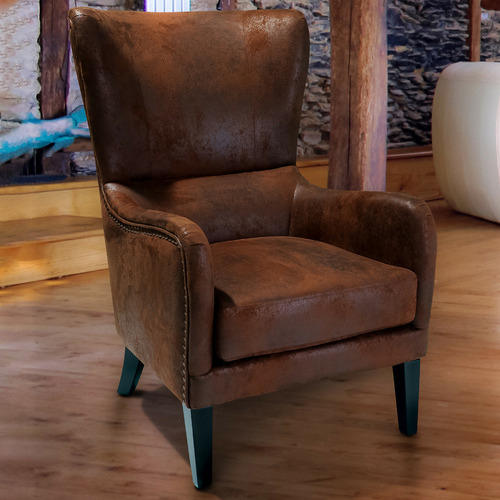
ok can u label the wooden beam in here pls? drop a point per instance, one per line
(474, 14)
(54, 44)
(359, 94)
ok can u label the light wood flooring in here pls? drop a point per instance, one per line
(66, 434)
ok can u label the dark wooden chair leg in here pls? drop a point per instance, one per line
(406, 384)
(131, 373)
(199, 438)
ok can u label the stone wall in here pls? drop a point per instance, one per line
(315, 124)
(424, 36)
(314, 133)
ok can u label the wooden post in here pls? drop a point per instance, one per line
(474, 15)
(358, 95)
(54, 60)
(474, 30)
(54, 43)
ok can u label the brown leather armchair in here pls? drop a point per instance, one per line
(231, 275)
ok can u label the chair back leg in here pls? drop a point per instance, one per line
(131, 373)
(406, 384)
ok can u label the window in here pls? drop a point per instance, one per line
(168, 5)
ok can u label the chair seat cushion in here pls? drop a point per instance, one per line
(276, 294)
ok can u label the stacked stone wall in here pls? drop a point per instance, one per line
(314, 132)
(424, 36)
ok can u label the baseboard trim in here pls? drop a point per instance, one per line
(413, 152)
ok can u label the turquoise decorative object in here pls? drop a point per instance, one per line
(34, 134)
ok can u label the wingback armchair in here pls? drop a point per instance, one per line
(231, 275)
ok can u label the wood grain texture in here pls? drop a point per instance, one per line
(44, 229)
(415, 176)
(359, 94)
(316, 174)
(408, 171)
(65, 433)
(340, 111)
(38, 249)
(79, 198)
(411, 152)
(54, 43)
(474, 14)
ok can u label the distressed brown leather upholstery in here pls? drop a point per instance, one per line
(277, 294)
(231, 275)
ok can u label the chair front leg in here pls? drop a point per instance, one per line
(199, 424)
(406, 385)
(131, 373)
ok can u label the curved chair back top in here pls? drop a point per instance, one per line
(184, 95)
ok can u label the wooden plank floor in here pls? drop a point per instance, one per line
(66, 434)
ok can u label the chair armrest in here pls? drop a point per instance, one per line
(162, 285)
(389, 227)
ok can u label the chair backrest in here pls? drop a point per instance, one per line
(171, 96)
(475, 25)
